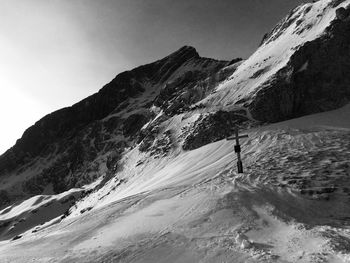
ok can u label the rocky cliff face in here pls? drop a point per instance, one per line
(183, 102)
(75, 145)
(301, 67)
(316, 78)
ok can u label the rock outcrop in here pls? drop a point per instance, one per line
(213, 127)
(75, 145)
(316, 79)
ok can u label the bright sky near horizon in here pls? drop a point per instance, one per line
(54, 53)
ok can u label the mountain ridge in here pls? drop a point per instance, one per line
(143, 172)
(128, 111)
(63, 130)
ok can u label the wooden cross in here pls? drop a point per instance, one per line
(238, 149)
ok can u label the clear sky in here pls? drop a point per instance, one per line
(54, 53)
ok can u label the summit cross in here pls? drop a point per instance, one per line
(238, 148)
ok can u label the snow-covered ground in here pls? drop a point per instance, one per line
(290, 205)
(38, 212)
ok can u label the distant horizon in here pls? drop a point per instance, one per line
(57, 53)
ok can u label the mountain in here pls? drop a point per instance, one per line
(141, 171)
(76, 145)
(301, 67)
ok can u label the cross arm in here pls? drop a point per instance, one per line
(233, 137)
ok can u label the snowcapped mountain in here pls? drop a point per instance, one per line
(301, 67)
(141, 170)
(76, 145)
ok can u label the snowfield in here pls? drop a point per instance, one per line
(290, 205)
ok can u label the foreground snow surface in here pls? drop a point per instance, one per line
(292, 204)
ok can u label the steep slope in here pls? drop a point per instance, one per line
(76, 145)
(301, 67)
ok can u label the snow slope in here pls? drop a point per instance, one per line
(305, 23)
(193, 207)
(37, 212)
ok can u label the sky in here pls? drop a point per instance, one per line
(53, 53)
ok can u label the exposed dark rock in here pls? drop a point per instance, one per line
(112, 124)
(16, 237)
(72, 138)
(213, 127)
(260, 72)
(133, 124)
(342, 13)
(5, 223)
(176, 96)
(335, 3)
(147, 142)
(67, 122)
(234, 61)
(147, 136)
(264, 38)
(85, 210)
(4, 198)
(162, 144)
(311, 82)
(113, 160)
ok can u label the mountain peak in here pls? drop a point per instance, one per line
(185, 51)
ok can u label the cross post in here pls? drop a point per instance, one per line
(238, 148)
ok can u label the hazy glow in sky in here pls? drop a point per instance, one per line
(54, 53)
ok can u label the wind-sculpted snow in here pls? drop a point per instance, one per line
(192, 206)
